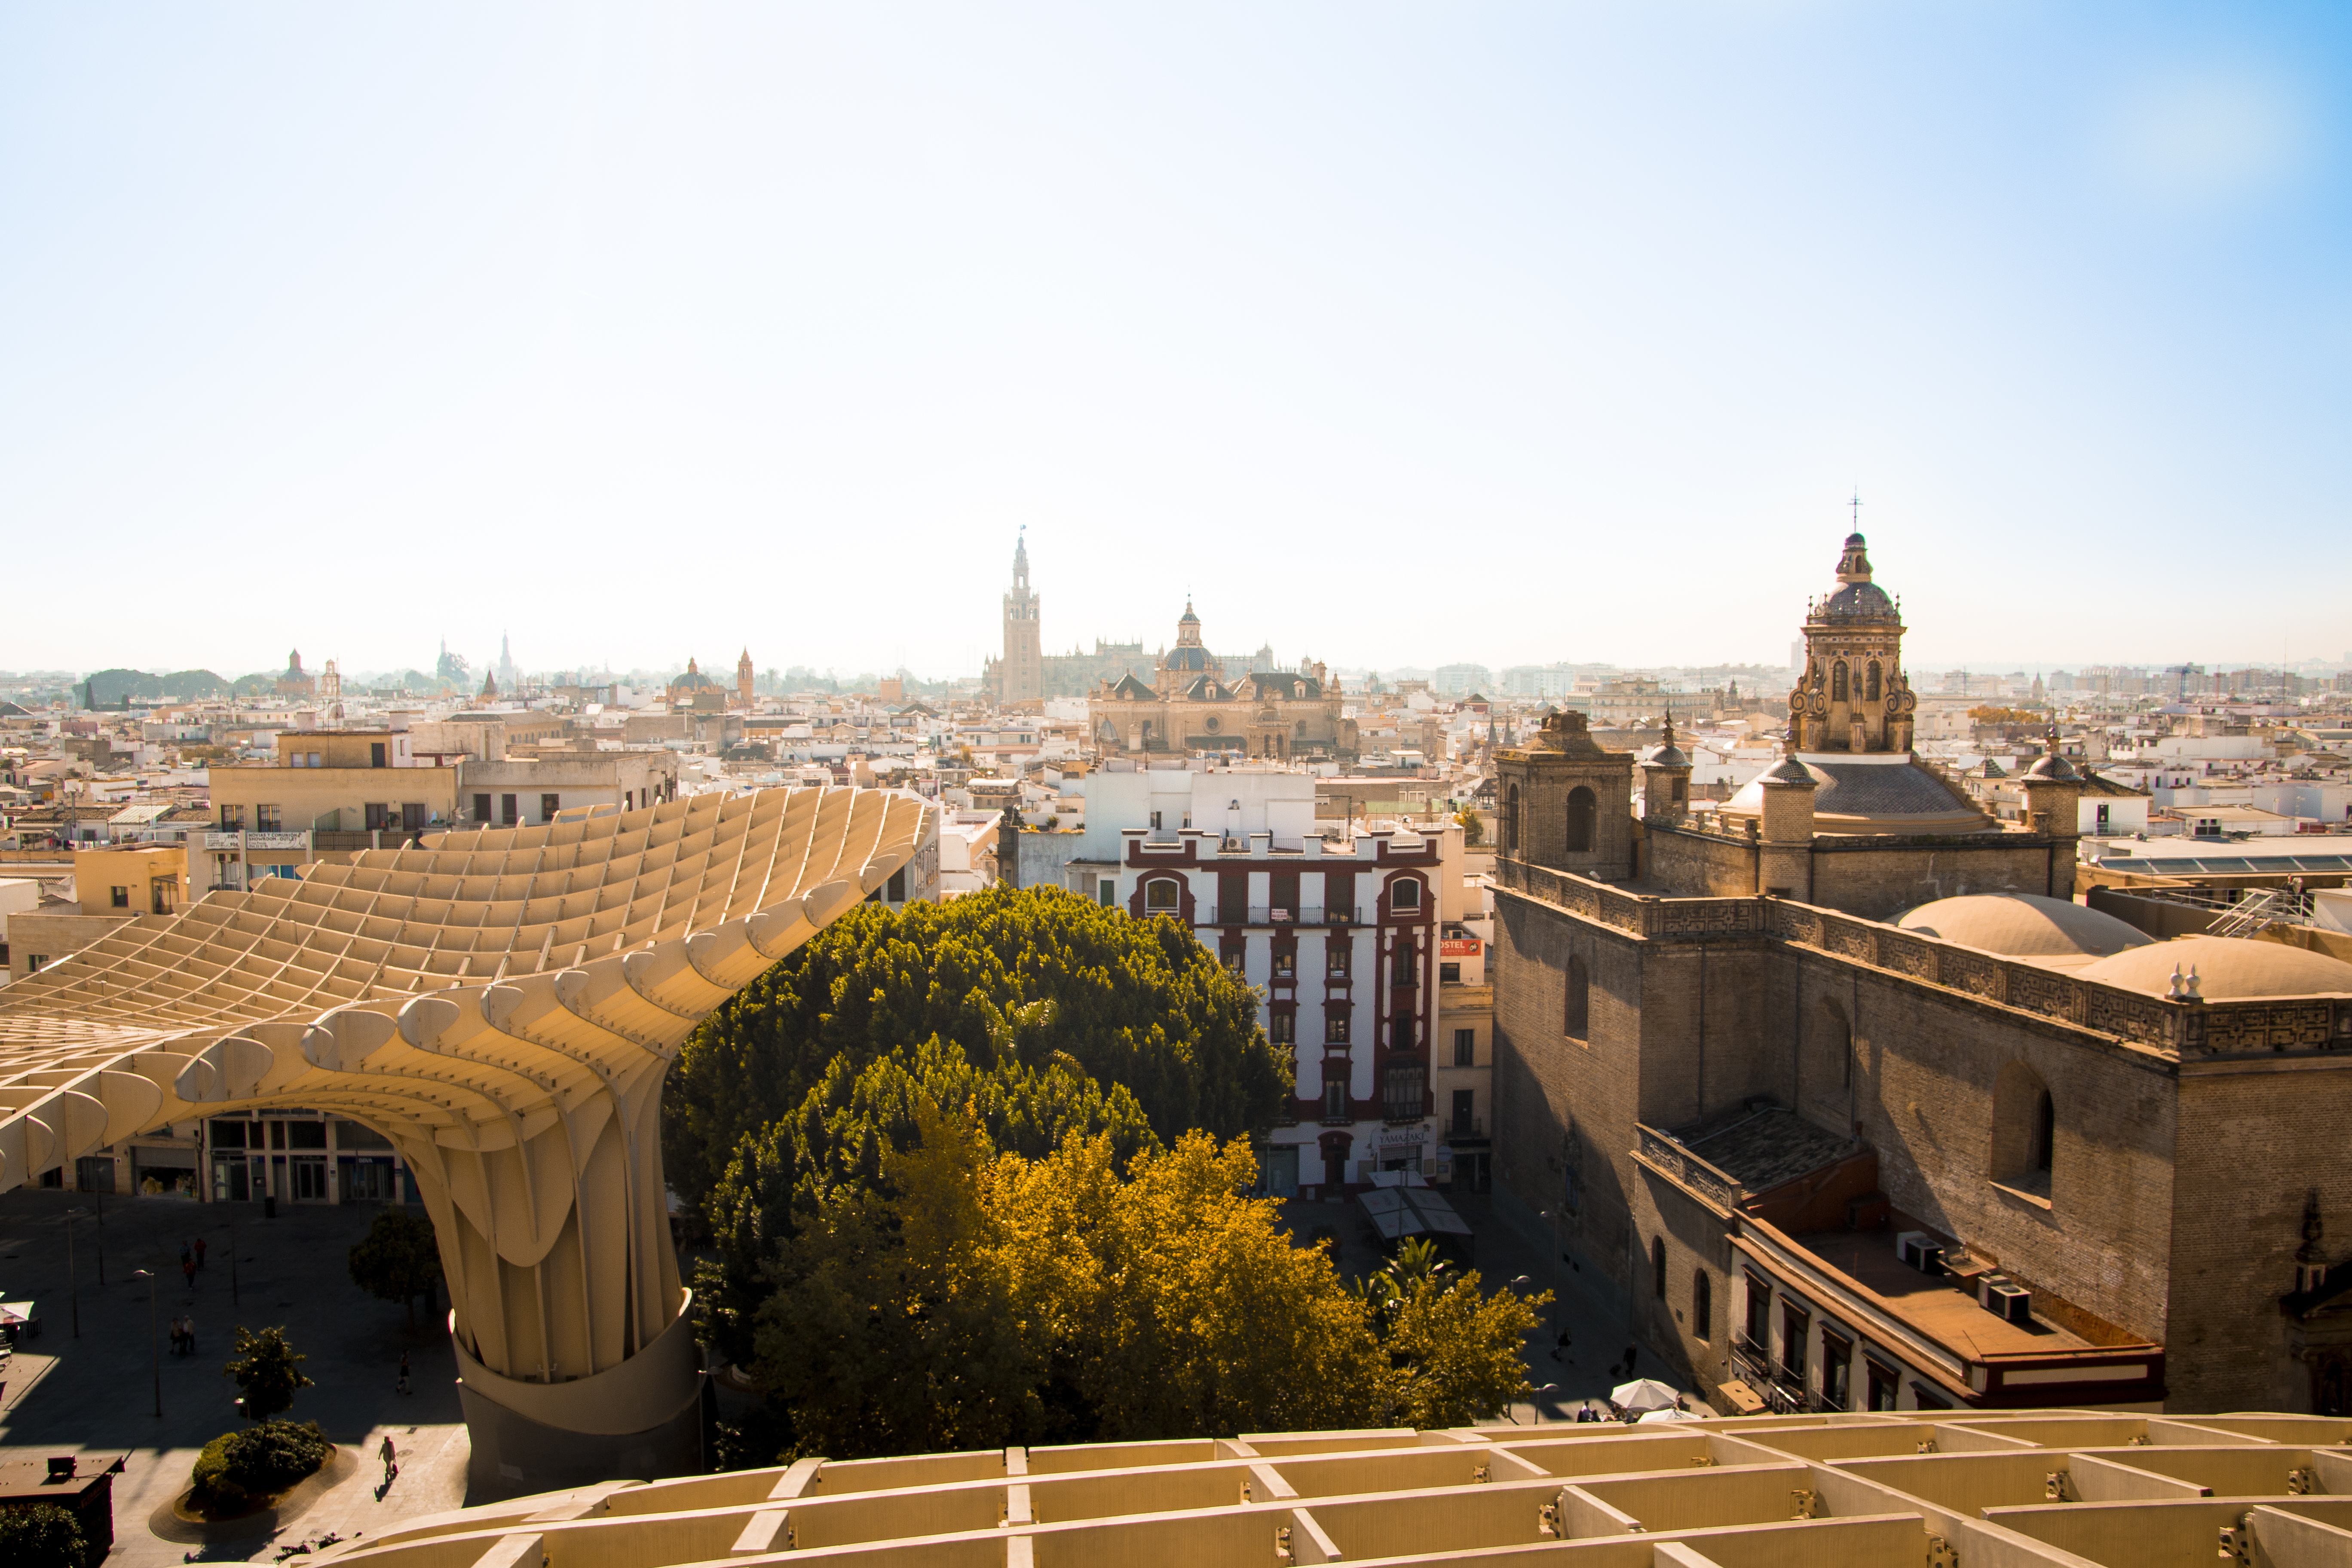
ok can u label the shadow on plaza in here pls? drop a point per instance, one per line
(99, 1391)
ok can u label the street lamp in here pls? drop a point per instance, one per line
(154, 1346)
(73, 1291)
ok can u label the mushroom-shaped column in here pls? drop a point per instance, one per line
(502, 1006)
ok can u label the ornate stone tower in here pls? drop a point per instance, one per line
(743, 679)
(1852, 695)
(1020, 672)
(1567, 802)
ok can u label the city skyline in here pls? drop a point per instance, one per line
(1606, 312)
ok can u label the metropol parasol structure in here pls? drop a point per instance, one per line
(503, 1004)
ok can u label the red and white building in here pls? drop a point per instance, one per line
(1339, 936)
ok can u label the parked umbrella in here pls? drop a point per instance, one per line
(1659, 1418)
(1643, 1394)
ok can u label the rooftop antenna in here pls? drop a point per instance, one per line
(1857, 505)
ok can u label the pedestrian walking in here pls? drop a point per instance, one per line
(402, 1387)
(175, 1334)
(391, 1458)
(188, 1269)
(200, 1252)
(188, 1333)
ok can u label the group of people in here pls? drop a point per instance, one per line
(191, 1258)
(183, 1333)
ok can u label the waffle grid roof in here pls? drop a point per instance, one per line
(1946, 1490)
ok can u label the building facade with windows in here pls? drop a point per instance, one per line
(1339, 935)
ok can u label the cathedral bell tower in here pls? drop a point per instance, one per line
(1852, 695)
(1020, 674)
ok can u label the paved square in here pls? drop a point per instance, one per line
(98, 1391)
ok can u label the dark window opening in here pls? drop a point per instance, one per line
(1702, 1305)
(1465, 1047)
(1794, 1327)
(1583, 807)
(1658, 1267)
(1837, 1365)
(1579, 1019)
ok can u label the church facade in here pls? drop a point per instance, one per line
(1860, 1111)
(1190, 705)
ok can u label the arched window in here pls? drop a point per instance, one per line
(1579, 1019)
(1404, 894)
(1162, 895)
(1511, 823)
(1870, 683)
(2024, 1131)
(1702, 1304)
(1658, 1267)
(1837, 681)
(1581, 809)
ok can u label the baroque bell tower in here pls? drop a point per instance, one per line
(1852, 695)
(1020, 672)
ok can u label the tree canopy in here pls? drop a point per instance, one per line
(397, 1261)
(267, 1372)
(977, 1299)
(1028, 976)
(976, 1174)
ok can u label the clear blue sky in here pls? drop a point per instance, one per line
(1397, 334)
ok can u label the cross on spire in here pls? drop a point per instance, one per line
(1857, 505)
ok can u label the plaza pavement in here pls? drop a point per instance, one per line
(97, 1393)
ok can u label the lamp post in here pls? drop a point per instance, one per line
(154, 1346)
(73, 1290)
(97, 1206)
(232, 1260)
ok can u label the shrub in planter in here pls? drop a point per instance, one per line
(237, 1468)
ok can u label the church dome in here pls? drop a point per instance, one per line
(1859, 602)
(2052, 931)
(2228, 968)
(694, 680)
(1182, 657)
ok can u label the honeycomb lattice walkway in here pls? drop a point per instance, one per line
(1946, 1490)
(501, 1004)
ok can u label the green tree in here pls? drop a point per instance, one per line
(838, 1138)
(397, 1261)
(267, 1372)
(1473, 827)
(1137, 1003)
(42, 1536)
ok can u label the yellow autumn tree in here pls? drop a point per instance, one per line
(977, 1301)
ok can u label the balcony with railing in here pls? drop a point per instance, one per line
(1278, 915)
(1782, 1391)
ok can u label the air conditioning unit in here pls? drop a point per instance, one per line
(1921, 1251)
(2011, 1303)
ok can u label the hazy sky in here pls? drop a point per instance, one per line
(1396, 333)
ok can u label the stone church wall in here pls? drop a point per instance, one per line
(2234, 1239)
